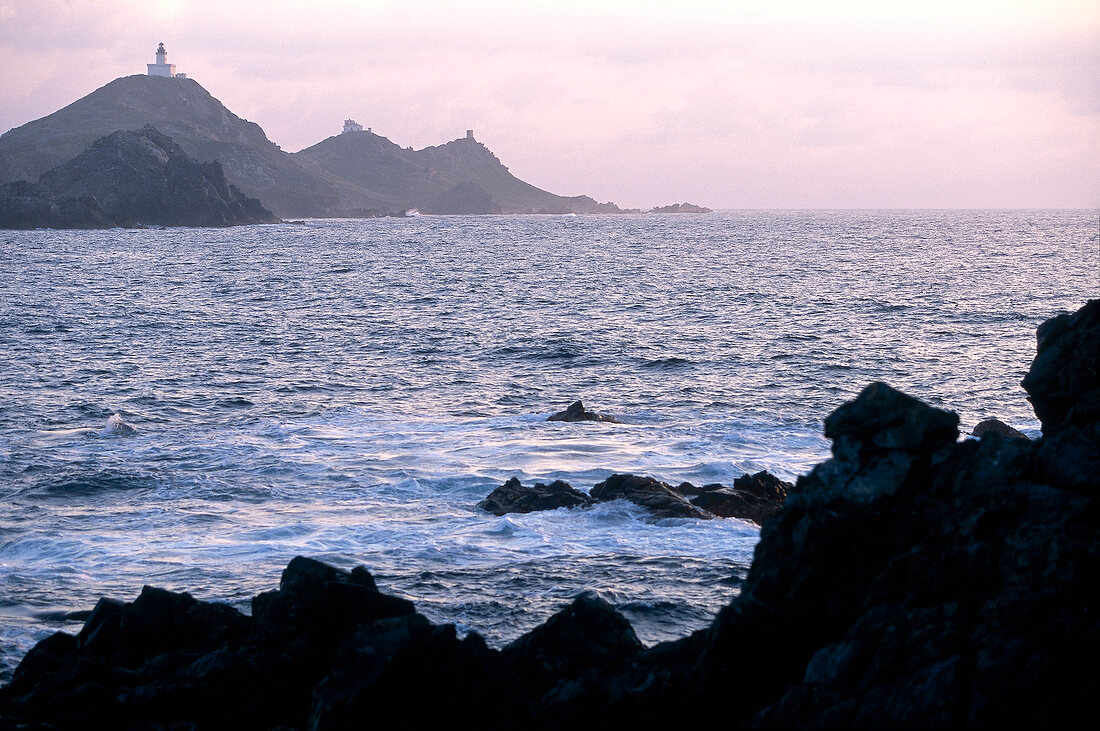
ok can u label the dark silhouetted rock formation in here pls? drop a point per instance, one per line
(512, 497)
(577, 412)
(1064, 387)
(998, 427)
(657, 497)
(752, 497)
(912, 580)
(130, 178)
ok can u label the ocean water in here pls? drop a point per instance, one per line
(349, 390)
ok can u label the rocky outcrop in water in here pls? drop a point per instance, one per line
(659, 498)
(577, 412)
(752, 497)
(681, 208)
(513, 497)
(998, 427)
(912, 580)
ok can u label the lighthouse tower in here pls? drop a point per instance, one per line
(161, 67)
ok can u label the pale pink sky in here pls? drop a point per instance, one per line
(733, 105)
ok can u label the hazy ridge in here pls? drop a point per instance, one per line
(351, 174)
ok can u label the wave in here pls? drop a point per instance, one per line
(116, 427)
(667, 363)
(75, 483)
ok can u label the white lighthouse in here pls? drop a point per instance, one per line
(162, 67)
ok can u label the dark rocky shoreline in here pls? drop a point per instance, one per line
(912, 580)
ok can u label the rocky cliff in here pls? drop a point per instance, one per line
(351, 174)
(136, 177)
(911, 581)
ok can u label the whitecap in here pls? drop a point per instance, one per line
(116, 427)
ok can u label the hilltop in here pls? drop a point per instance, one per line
(347, 175)
(461, 176)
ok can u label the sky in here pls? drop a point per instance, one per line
(770, 104)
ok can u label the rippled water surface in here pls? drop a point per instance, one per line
(350, 389)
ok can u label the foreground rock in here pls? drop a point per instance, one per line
(912, 580)
(129, 178)
(577, 412)
(1064, 387)
(512, 497)
(658, 497)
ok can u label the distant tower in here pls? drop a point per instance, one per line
(162, 67)
(469, 134)
(351, 126)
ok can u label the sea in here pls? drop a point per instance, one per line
(192, 408)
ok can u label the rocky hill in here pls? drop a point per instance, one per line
(351, 174)
(462, 176)
(136, 177)
(197, 122)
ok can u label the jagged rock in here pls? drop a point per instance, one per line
(913, 580)
(1063, 383)
(577, 644)
(577, 412)
(1064, 387)
(998, 427)
(512, 497)
(129, 178)
(752, 497)
(142, 176)
(657, 497)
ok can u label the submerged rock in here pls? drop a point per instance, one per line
(577, 412)
(512, 497)
(657, 497)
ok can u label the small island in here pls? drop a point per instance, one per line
(681, 208)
